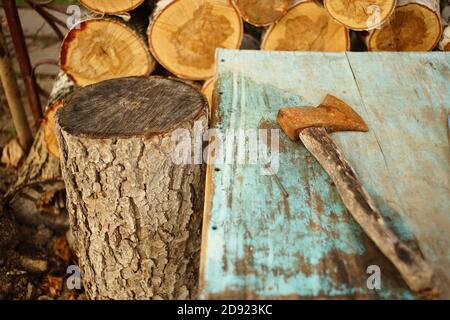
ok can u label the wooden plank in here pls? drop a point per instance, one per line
(257, 243)
(410, 125)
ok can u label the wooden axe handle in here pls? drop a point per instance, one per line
(416, 272)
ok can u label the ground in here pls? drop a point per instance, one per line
(33, 258)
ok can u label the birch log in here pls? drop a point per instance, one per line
(414, 26)
(184, 34)
(306, 27)
(135, 213)
(249, 42)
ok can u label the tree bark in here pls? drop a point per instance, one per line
(42, 165)
(39, 178)
(249, 42)
(208, 91)
(135, 214)
(414, 26)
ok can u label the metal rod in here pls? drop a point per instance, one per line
(18, 38)
(12, 93)
(277, 180)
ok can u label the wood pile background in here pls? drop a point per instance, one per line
(178, 38)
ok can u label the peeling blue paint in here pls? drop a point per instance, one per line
(274, 246)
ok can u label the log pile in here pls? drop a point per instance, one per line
(178, 37)
(143, 37)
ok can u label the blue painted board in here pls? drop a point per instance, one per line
(259, 244)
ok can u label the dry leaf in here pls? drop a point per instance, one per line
(12, 154)
(62, 249)
(52, 286)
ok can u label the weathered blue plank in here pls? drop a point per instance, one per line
(407, 101)
(257, 243)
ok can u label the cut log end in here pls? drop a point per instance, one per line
(49, 128)
(306, 27)
(262, 12)
(360, 14)
(111, 6)
(412, 27)
(103, 49)
(207, 90)
(129, 107)
(184, 35)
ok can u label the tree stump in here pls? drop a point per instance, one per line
(135, 214)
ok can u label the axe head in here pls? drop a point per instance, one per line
(332, 114)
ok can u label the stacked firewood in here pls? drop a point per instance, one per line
(179, 37)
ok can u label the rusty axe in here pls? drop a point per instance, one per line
(311, 125)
